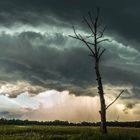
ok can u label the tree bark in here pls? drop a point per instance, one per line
(97, 35)
(102, 99)
(96, 53)
(103, 115)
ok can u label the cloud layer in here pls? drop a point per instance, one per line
(36, 54)
(56, 61)
(53, 105)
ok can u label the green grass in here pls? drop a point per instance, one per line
(10, 132)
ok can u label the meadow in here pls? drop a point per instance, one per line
(37, 132)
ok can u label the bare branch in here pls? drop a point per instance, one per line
(115, 99)
(101, 54)
(88, 45)
(90, 16)
(97, 36)
(79, 38)
(103, 40)
(102, 32)
(75, 31)
(87, 22)
(99, 24)
(88, 36)
(96, 21)
(91, 55)
(98, 51)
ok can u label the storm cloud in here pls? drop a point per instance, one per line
(58, 62)
(121, 16)
(37, 54)
(54, 61)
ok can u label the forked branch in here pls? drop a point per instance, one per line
(101, 54)
(88, 24)
(115, 99)
(79, 37)
(102, 32)
(103, 40)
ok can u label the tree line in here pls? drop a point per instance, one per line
(3, 121)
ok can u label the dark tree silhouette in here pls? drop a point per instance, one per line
(92, 42)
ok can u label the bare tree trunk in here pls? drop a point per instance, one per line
(99, 81)
(103, 115)
(102, 99)
(97, 35)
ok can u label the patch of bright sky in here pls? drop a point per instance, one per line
(55, 105)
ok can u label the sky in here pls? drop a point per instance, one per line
(46, 75)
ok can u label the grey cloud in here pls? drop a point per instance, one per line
(31, 57)
(35, 49)
(13, 89)
(10, 115)
(130, 106)
(136, 91)
(121, 16)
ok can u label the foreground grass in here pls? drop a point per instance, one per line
(9, 132)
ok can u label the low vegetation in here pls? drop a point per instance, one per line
(39, 132)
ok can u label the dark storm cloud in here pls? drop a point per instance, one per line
(122, 17)
(22, 58)
(41, 59)
(54, 60)
(37, 55)
(120, 77)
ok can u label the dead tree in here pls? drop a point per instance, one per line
(92, 42)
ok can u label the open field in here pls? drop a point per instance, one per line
(12, 132)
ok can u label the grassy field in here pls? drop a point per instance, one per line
(9, 132)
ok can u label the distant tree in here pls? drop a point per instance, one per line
(92, 42)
